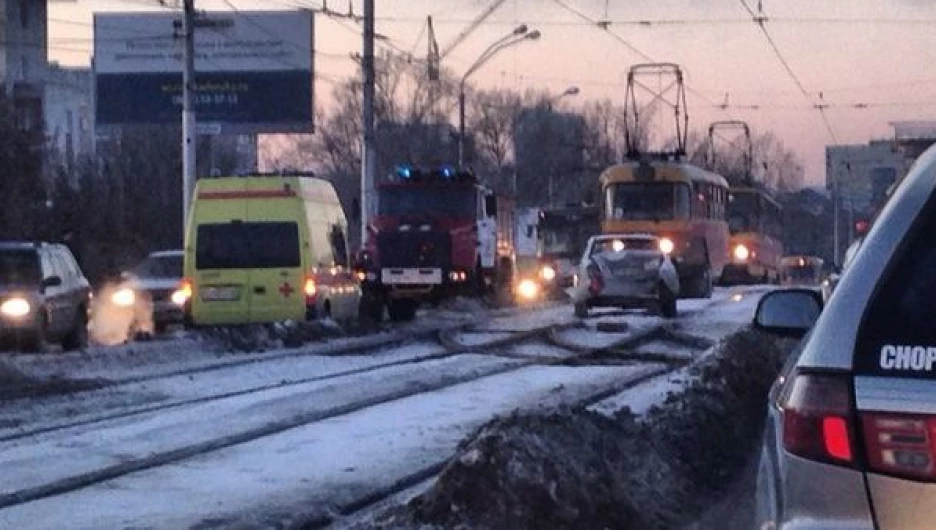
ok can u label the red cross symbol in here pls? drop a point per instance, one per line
(286, 289)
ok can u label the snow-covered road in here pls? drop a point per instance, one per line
(336, 431)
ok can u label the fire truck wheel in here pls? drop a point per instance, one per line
(371, 308)
(401, 310)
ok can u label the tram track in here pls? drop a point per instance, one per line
(131, 464)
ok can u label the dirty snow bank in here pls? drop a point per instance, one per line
(579, 469)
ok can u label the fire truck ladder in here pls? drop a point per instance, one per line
(671, 95)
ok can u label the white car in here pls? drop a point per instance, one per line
(625, 270)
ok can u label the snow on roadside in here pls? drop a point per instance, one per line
(55, 457)
(579, 469)
(53, 410)
(309, 470)
(641, 398)
(473, 338)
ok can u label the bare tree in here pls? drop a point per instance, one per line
(23, 201)
(493, 116)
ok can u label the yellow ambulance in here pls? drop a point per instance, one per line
(263, 249)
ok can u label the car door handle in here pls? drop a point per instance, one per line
(259, 290)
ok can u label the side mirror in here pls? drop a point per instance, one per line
(51, 281)
(788, 312)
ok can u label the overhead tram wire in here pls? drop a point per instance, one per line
(760, 20)
(605, 26)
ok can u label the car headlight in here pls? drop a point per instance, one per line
(742, 253)
(15, 308)
(123, 297)
(183, 294)
(548, 273)
(667, 246)
(528, 289)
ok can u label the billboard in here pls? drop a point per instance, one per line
(253, 70)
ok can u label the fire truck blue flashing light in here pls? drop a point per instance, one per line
(447, 171)
(404, 172)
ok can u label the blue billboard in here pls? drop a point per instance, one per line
(253, 70)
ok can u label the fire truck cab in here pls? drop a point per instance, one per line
(438, 233)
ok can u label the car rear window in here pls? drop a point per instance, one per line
(247, 246)
(898, 332)
(19, 267)
(615, 245)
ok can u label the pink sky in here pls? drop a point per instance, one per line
(872, 52)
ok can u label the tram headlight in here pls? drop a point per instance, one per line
(741, 253)
(667, 246)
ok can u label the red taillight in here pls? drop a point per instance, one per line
(817, 419)
(837, 440)
(900, 444)
(309, 288)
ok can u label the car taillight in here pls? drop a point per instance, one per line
(900, 444)
(818, 417)
(309, 288)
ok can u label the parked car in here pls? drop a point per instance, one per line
(625, 270)
(800, 270)
(149, 294)
(850, 438)
(44, 296)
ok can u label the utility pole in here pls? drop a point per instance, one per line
(188, 112)
(369, 147)
(835, 218)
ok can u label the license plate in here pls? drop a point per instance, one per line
(220, 294)
(629, 272)
(411, 276)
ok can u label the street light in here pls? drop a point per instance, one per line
(518, 35)
(571, 91)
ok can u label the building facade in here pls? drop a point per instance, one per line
(24, 56)
(69, 119)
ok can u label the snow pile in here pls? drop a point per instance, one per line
(263, 337)
(579, 469)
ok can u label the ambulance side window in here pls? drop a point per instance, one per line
(339, 245)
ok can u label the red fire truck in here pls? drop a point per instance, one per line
(437, 233)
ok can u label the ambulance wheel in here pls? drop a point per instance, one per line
(401, 310)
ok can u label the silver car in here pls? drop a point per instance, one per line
(850, 439)
(625, 270)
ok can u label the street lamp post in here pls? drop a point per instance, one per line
(518, 35)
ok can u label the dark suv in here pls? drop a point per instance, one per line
(43, 296)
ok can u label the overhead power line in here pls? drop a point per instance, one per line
(760, 20)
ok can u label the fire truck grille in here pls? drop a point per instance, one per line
(414, 249)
